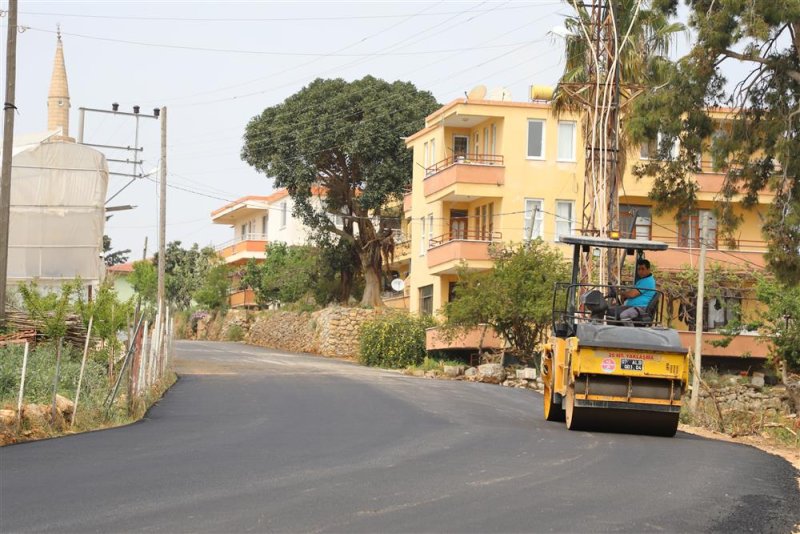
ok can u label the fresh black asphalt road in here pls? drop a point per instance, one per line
(259, 440)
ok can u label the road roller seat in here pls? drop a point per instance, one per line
(649, 314)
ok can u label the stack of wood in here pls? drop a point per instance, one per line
(18, 322)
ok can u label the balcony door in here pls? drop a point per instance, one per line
(459, 225)
(460, 147)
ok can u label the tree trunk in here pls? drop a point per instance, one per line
(372, 287)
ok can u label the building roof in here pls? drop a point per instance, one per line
(121, 268)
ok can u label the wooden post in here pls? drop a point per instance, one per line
(22, 385)
(83, 367)
(55, 379)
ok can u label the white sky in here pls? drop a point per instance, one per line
(215, 65)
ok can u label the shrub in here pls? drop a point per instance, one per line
(394, 340)
(234, 333)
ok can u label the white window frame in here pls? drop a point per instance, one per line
(530, 205)
(284, 214)
(494, 139)
(422, 247)
(573, 141)
(485, 141)
(425, 158)
(430, 227)
(673, 153)
(543, 122)
(560, 220)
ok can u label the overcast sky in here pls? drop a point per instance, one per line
(215, 65)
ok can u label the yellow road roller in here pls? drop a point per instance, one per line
(604, 374)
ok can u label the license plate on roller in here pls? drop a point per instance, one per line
(631, 364)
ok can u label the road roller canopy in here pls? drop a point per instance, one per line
(605, 242)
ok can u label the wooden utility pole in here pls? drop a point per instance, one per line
(698, 320)
(8, 147)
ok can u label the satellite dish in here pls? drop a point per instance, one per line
(478, 93)
(398, 284)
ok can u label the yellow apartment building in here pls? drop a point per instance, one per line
(497, 171)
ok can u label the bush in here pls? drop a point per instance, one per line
(394, 340)
(234, 333)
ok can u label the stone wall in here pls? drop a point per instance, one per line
(332, 331)
(754, 399)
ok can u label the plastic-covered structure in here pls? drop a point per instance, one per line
(57, 218)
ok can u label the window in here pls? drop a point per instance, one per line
(422, 246)
(426, 162)
(477, 144)
(566, 141)
(433, 151)
(635, 222)
(533, 224)
(460, 146)
(494, 139)
(264, 226)
(485, 141)
(426, 300)
(451, 291)
(244, 230)
(650, 149)
(721, 311)
(565, 222)
(283, 214)
(484, 223)
(689, 229)
(430, 227)
(535, 139)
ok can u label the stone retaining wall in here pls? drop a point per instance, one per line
(333, 331)
(749, 398)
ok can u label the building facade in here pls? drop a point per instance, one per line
(497, 171)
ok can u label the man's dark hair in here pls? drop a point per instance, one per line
(646, 263)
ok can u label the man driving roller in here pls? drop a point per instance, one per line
(638, 297)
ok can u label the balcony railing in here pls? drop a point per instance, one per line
(464, 159)
(472, 235)
(244, 237)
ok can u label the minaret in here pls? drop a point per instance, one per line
(58, 97)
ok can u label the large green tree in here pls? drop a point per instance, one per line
(347, 138)
(515, 298)
(758, 146)
(185, 271)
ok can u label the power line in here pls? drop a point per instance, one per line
(269, 19)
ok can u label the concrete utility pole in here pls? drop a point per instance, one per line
(698, 322)
(8, 147)
(162, 215)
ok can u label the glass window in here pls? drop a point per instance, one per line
(689, 229)
(533, 206)
(460, 143)
(430, 227)
(426, 300)
(422, 246)
(566, 141)
(536, 139)
(284, 214)
(649, 150)
(494, 139)
(485, 141)
(264, 226)
(564, 218)
(635, 222)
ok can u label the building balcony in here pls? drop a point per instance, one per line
(482, 337)
(402, 246)
(407, 202)
(464, 178)
(741, 346)
(446, 252)
(238, 251)
(747, 257)
(242, 298)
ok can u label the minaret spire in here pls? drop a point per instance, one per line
(58, 97)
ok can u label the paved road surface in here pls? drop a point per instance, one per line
(257, 440)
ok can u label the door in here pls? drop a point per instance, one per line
(460, 143)
(458, 224)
